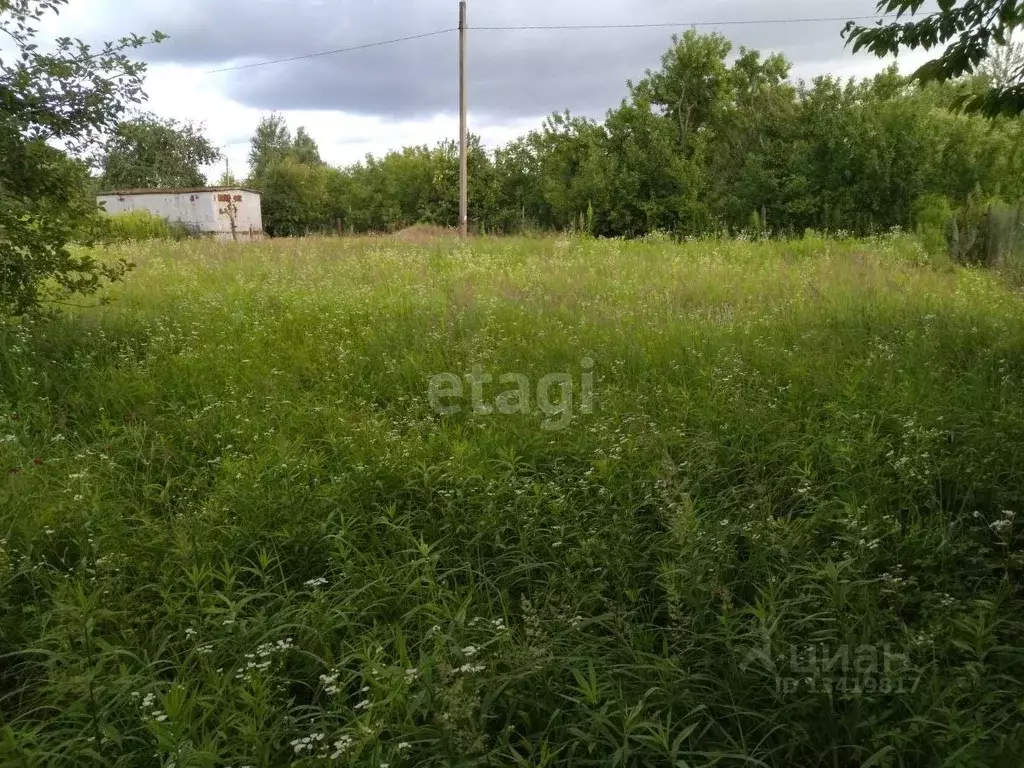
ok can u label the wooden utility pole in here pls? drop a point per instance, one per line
(463, 128)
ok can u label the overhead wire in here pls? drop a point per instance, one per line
(551, 27)
(335, 51)
(657, 25)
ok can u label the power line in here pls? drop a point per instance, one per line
(734, 23)
(561, 27)
(335, 51)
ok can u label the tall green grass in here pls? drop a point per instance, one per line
(139, 226)
(235, 533)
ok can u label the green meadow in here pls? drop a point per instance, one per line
(782, 528)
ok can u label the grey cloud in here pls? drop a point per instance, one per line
(513, 74)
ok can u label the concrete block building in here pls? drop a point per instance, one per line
(224, 213)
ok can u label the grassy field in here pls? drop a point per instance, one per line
(782, 530)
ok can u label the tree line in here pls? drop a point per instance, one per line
(707, 143)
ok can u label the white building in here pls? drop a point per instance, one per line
(225, 213)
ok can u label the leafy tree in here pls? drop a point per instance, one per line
(295, 198)
(148, 151)
(271, 143)
(567, 151)
(518, 204)
(968, 28)
(1005, 65)
(69, 96)
(692, 86)
(304, 148)
(649, 180)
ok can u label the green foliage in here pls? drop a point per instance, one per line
(294, 197)
(692, 86)
(227, 179)
(698, 145)
(987, 232)
(965, 30)
(304, 149)
(417, 185)
(138, 226)
(69, 95)
(148, 151)
(272, 143)
(46, 202)
(1005, 65)
(933, 217)
(235, 533)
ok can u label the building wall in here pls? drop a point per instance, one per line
(239, 215)
(204, 212)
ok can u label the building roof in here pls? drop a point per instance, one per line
(175, 191)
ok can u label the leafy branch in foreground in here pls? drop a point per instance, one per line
(69, 97)
(971, 30)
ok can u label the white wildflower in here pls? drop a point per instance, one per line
(330, 683)
(341, 746)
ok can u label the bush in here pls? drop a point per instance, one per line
(987, 233)
(295, 199)
(140, 225)
(932, 216)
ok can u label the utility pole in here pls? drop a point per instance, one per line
(463, 128)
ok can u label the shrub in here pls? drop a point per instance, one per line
(987, 232)
(140, 225)
(932, 216)
(295, 199)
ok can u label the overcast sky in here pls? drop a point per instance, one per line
(386, 97)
